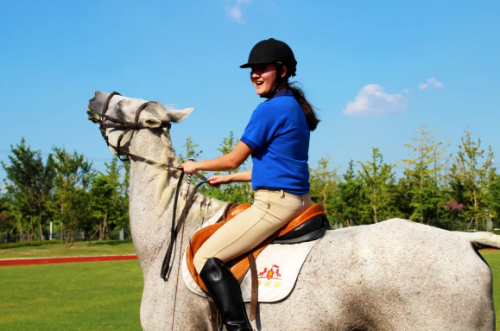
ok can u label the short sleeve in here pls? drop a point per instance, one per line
(263, 126)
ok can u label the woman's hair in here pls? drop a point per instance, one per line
(312, 118)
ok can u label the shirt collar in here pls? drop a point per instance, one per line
(284, 93)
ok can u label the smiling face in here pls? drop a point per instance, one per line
(263, 77)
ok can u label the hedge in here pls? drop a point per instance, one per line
(50, 242)
(30, 243)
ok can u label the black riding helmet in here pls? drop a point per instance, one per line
(273, 51)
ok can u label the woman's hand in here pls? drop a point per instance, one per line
(219, 179)
(189, 167)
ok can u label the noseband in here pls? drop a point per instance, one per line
(117, 123)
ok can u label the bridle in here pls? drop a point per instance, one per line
(116, 123)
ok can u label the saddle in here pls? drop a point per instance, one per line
(310, 225)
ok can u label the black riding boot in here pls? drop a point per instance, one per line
(226, 293)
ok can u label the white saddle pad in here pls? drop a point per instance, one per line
(278, 267)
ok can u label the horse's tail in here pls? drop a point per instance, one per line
(482, 240)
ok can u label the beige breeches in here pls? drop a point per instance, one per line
(270, 211)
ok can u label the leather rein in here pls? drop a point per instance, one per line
(103, 121)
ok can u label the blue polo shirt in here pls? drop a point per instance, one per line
(279, 136)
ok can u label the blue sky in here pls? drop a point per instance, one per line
(376, 70)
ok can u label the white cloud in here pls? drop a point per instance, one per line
(430, 82)
(235, 11)
(372, 100)
(434, 81)
(406, 91)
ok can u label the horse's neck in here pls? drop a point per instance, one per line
(151, 223)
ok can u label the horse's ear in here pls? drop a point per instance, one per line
(177, 116)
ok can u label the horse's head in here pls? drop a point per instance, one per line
(121, 112)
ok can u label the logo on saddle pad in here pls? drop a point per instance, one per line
(272, 273)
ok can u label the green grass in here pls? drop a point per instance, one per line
(78, 249)
(493, 259)
(73, 296)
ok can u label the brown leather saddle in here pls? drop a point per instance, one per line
(310, 225)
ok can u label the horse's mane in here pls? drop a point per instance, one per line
(166, 181)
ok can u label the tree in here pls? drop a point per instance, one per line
(6, 220)
(106, 199)
(426, 202)
(350, 197)
(31, 184)
(473, 176)
(71, 197)
(404, 197)
(124, 221)
(12, 213)
(324, 183)
(192, 153)
(234, 192)
(493, 196)
(378, 184)
(423, 173)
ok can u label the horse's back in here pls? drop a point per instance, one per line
(395, 275)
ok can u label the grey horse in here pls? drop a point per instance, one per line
(394, 275)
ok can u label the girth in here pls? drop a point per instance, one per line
(310, 225)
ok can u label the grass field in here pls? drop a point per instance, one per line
(493, 259)
(73, 296)
(93, 295)
(78, 249)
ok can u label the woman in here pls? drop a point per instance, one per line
(277, 137)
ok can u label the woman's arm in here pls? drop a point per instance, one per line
(229, 161)
(244, 176)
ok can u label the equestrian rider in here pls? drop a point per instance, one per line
(277, 137)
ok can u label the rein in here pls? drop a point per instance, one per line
(101, 120)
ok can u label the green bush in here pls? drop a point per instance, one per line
(30, 243)
(51, 242)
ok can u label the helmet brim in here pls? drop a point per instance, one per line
(250, 64)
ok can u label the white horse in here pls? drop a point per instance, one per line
(394, 275)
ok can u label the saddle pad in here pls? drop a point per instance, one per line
(278, 267)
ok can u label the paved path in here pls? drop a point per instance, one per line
(69, 259)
